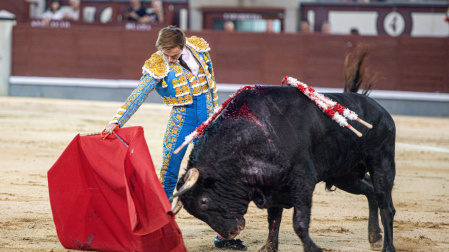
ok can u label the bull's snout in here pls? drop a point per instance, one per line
(240, 226)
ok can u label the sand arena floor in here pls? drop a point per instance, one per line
(35, 131)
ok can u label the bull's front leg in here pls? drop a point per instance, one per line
(274, 222)
(301, 216)
(301, 221)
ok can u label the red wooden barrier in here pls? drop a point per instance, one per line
(112, 52)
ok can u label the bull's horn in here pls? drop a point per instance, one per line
(177, 207)
(190, 180)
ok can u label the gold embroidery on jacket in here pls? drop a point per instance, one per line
(177, 101)
(179, 81)
(156, 66)
(198, 44)
(182, 90)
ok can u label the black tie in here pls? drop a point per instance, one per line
(183, 63)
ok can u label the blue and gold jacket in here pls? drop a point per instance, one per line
(174, 84)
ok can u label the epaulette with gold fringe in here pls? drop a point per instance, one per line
(156, 66)
(198, 44)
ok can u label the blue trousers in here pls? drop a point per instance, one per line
(183, 121)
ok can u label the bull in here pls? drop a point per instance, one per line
(272, 145)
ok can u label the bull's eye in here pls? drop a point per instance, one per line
(203, 203)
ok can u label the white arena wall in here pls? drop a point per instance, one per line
(396, 102)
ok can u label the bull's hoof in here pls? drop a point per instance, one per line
(377, 246)
(235, 244)
(267, 249)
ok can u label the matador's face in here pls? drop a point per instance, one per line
(172, 55)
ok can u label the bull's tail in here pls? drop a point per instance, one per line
(355, 71)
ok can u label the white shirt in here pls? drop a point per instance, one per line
(190, 61)
(58, 15)
(72, 14)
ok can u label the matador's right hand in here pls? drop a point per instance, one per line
(111, 127)
(109, 130)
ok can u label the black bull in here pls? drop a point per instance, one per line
(272, 145)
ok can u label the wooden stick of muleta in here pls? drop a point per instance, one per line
(90, 133)
(336, 111)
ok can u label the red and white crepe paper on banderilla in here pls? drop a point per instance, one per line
(334, 110)
(198, 132)
(330, 107)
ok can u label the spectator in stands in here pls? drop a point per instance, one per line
(270, 27)
(72, 13)
(158, 11)
(326, 27)
(304, 26)
(229, 26)
(53, 12)
(136, 12)
(354, 31)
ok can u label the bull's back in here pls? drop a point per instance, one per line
(299, 129)
(287, 106)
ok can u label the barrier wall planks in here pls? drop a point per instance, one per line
(112, 52)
